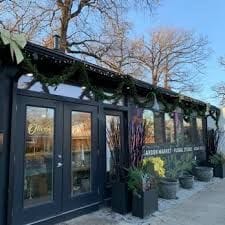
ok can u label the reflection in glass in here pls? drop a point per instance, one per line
(169, 129)
(178, 119)
(148, 119)
(38, 161)
(29, 83)
(187, 131)
(120, 102)
(80, 152)
(159, 127)
(199, 129)
(113, 144)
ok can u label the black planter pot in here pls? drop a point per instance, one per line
(145, 203)
(168, 188)
(186, 181)
(219, 171)
(121, 198)
(204, 173)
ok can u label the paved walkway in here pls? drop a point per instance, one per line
(206, 207)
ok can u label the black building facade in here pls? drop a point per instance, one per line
(55, 142)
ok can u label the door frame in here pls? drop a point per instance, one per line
(21, 214)
(16, 213)
(72, 202)
(124, 144)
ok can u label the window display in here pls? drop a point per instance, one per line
(148, 119)
(187, 131)
(199, 129)
(81, 152)
(113, 143)
(169, 128)
(38, 161)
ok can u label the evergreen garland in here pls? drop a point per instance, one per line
(126, 85)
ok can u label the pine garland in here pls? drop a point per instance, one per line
(126, 85)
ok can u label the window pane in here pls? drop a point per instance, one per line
(178, 119)
(199, 129)
(81, 152)
(148, 119)
(169, 129)
(159, 127)
(28, 83)
(113, 143)
(187, 132)
(120, 102)
(38, 162)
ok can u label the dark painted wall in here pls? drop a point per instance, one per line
(5, 117)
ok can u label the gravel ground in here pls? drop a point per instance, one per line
(106, 217)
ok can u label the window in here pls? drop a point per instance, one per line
(148, 119)
(120, 102)
(80, 152)
(159, 127)
(187, 131)
(169, 128)
(113, 144)
(178, 120)
(199, 126)
(38, 158)
(29, 83)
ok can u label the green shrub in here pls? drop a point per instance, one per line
(217, 159)
(154, 165)
(139, 181)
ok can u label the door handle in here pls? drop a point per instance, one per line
(59, 164)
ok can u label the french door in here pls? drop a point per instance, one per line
(55, 151)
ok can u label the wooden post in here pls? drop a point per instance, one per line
(6, 83)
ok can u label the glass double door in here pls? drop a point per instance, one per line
(55, 158)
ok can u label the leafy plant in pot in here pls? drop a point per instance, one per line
(168, 184)
(121, 202)
(218, 162)
(145, 195)
(203, 173)
(186, 178)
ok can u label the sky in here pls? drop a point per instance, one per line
(205, 17)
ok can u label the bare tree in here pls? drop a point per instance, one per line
(27, 16)
(174, 58)
(87, 19)
(81, 24)
(119, 55)
(219, 90)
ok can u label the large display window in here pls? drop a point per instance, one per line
(38, 160)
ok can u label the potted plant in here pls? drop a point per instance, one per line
(204, 173)
(186, 178)
(186, 181)
(145, 195)
(121, 196)
(168, 183)
(218, 162)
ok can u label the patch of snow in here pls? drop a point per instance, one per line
(106, 216)
(182, 195)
